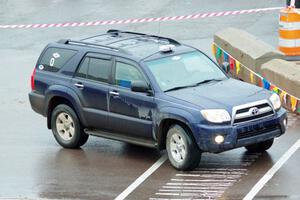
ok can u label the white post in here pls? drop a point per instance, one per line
(292, 4)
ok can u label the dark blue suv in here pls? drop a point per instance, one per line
(151, 91)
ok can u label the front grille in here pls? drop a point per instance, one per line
(244, 133)
(252, 111)
(247, 108)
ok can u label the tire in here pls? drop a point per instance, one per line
(66, 127)
(84, 138)
(260, 147)
(183, 152)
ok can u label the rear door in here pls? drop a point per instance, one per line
(130, 112)
(91, 83)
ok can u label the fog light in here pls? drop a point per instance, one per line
(219, 139)
(285, 123)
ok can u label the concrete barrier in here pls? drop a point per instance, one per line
(283, 74)
(246, 48)
(259, 64)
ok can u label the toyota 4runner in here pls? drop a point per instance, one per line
(152, 91)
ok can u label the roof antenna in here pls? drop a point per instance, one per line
(113, 32)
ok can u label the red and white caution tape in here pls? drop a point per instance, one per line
(140, 20)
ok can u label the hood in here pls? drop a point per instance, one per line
(221, 95)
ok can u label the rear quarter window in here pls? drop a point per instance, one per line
(55, 58)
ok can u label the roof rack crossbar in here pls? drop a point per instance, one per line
(103, 34)
(95, 45)
(170, 40)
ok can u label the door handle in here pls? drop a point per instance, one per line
(79, 85)
(114, 93)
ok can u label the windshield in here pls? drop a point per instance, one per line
(184, 70)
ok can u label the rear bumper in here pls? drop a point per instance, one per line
(37, 102)
(240, 135)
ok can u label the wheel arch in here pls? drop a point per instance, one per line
(180, 117)
(57, 97)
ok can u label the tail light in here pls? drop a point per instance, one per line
(32, 79)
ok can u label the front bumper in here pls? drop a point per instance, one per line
(241, 134)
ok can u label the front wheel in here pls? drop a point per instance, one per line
(182, 151)
(260, 147)
(66, 127)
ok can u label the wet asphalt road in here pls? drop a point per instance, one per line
(33, 166)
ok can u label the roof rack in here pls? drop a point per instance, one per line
(117, 32)
(64, 41)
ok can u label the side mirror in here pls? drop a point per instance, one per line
(226, 67)
(139, 86)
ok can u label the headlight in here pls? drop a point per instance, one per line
(216, 115)
(275, 100)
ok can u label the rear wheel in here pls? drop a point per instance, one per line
(66, 127)
(260, 147)
(182, 151)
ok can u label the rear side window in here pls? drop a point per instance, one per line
(99, 69)
(54, 58)
(95, 69)
(82, 71)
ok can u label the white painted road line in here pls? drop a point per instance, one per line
(219, 172)
(261, 183)
(221, 169)
(188, 194)
(225, 184)
(193, 187)
(209, 176)
(192, 190)
(201, 180)
(142, 178)
(204, 182)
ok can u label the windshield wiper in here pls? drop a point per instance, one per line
(177, 88)
(193, 85)
(206, 81)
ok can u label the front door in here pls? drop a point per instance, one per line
(91, 85)
(130, 112)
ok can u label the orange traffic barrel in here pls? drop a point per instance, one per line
(289, 31)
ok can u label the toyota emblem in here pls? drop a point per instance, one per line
(254, 111)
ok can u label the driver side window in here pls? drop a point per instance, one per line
(126, 74)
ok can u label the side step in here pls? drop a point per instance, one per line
(122, 137)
